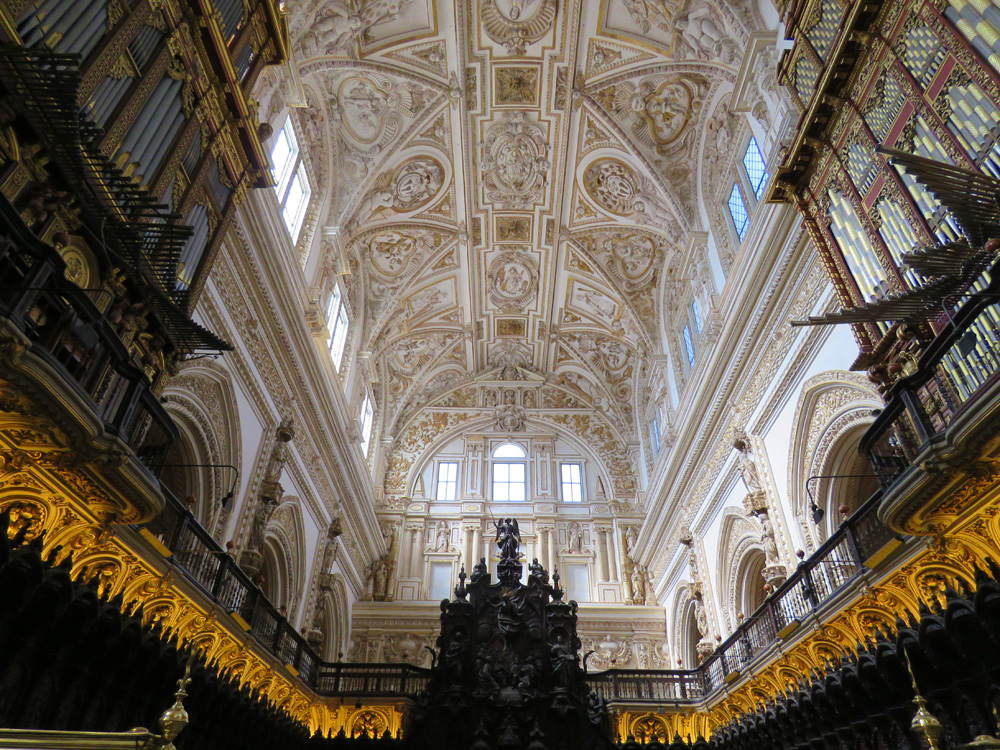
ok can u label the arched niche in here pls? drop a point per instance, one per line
(202, 403)
(833, 412)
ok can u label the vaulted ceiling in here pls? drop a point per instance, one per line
(518, 187)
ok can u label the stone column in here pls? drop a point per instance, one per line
(404, 554)
(417, 556)
(477, 543)
(602, 555)
(550, 549)
(543, 548)
(609, 538)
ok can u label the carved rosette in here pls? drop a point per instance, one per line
(516, 23)
(515, 164)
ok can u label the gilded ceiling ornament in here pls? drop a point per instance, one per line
(512, 281)
(391, 250)
(516, 85)
(516, 23)
(513, 228)
(515, 164)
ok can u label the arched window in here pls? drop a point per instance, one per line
(510, 474)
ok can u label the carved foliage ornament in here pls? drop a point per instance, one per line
(514, 161)
(516, 23)
(512, 281)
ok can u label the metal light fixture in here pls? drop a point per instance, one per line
(228, 497)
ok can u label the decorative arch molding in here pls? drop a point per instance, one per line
(284, 538)
(425, 437)
(202, 401)
(834, 407)
(739, 541)
(685, 636)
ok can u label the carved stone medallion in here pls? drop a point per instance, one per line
(416, 183)
(514, 161)
(363, 107)
(512, 281)
(515, 23)
(612, 185)
(391, 251)
(667, 110)
(633, 252)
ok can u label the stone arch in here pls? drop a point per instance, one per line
(740, 555)
(202, 402)
(284, 553)
(834, 410)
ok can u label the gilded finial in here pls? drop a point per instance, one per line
(924, 724)
(175, 718)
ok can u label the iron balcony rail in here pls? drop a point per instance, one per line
(957, 368)
(68, 331)
(835, 565)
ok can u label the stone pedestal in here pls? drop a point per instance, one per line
(252, 563)
(774, 575)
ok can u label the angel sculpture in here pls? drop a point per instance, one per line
(508, 538)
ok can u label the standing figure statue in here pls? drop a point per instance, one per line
(508, 538)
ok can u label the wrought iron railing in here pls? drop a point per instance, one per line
(834, 566)
(954, 372)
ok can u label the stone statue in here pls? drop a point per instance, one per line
(574, 535)
(268, 499)
(747, 464)
(700, 615)
(630, 538)
(443, 539)
(638, 585)
(379, 574)
(767, 539)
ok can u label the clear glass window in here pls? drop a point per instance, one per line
(696, 314)
(447, 484)
(572, 483)
(654, 433)
(738, 211)
(509, 482)
(337, 325)
(284, 155)
(688, 345)
(367, 420)
(291, 187)
(509, 450)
